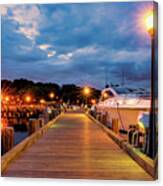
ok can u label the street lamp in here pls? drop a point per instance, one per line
(152, 146)
(28, 99)
(149, 24)
(42, 101)
(51, 95)
(7, 98)
(86, 92)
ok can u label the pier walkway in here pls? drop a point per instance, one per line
(75, 147)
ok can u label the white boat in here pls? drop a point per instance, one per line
(123, 104)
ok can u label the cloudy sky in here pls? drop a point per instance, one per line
(76, 43)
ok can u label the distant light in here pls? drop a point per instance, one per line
(28, 99)
(51, 95)
(105, 95)
(86, 90)
(7, 98)
(42, 101)
(93, 101)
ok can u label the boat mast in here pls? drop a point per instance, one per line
(106, 77)
(123, 77)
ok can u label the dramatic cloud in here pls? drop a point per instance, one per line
(44, 46)
(51, 53)
(76, 43)
(27, 17)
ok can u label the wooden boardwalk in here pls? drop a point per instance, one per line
(75, 147)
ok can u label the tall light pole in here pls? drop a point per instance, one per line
(86, 92)
(152, 144)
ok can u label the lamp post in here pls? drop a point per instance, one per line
(152, 147)
(28, 99)
(42, 101)
(86, 93)
(51, 95)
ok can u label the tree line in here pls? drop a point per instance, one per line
(67, 93)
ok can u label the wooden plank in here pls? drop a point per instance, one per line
(13, 153)
(144, 161)
(74, 147)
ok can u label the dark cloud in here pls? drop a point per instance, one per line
(75, 43)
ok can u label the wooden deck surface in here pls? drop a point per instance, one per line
(75, 147)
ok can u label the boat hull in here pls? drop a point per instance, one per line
(126, 116)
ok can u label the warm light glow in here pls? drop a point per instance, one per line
(7, 98)
(28, 99)
(93, 101)
(144, 20)
(105, 95)
(31, 113)
(149, 23)
(51, 95)
(42, 101)
(1, 97)
(3, 123)
(86, 90)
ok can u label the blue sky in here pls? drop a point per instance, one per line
(76, 43)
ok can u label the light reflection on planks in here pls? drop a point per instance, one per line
(75, 147)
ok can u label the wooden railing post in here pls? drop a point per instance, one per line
(7, 139)
(115, 125)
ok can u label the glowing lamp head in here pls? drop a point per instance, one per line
(51, 95)
(105, 95)
(93, 101)
(86, 90)
(42, 101)
(27, 99)
(7, 98)
(149, 23)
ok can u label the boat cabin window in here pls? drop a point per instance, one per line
(110, 93)
(122, 90)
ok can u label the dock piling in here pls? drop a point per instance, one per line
(7, 139)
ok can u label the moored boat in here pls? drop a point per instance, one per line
(124, 104)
